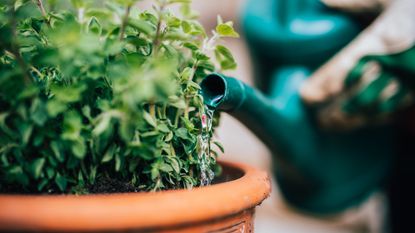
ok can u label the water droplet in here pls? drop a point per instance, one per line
(206, 174)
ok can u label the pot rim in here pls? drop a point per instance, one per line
(123, 211)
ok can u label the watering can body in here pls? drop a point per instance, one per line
(318, 171)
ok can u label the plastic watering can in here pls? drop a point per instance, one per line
(318, 171)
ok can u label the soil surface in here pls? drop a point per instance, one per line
(102, 185)
(107, 185)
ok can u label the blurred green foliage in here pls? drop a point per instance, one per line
(102, 89)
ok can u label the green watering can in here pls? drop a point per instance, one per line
(318, 171)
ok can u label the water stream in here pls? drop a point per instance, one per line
(206, 174)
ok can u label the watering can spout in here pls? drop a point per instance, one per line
(243, 102)
(222, 93)
(317, 171)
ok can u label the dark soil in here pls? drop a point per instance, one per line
(13, 189)
(108, 185)
(102, 185)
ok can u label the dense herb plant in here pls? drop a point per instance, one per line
(103, 93)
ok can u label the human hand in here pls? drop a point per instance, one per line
(373, 76)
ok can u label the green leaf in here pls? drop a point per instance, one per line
(154, 173)
(224, 56)
(197, 29)
(149, 119)
(125, 2)
(177, 102)
(228, 65)
(61, 182)
(174, 163)
(224, 52)
(16, 173)
(169, 137)
(79, 148)
(26, 131)
(183, 133)
(55, 107)
(191, 46)
(72, 125)
(187, 12)
(39, 112)
(78, 3)
(54, 145)
(194, 85)
(36, 166)
(141, 26)
(150, 133)
(94, 26)
(113, 47)
(163, 128)
(201, 56)
(68, 94)
(118, 161)
(92, 174)
(109, 154)
(102, 125)
(186, 74)
(187, 123)
(165, 167)
(50, 172)
(173, 22)
(220, 146)
(186, 26)
(149, 17)
(126, 130)
(226, 30)
(41, 185)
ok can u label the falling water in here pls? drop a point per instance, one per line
(206, 174)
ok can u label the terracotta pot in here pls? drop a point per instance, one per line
(227, 206)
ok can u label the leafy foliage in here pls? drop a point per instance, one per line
(102, 90)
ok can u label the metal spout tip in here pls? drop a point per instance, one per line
(213, 90)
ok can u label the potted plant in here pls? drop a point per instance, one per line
(102, 97)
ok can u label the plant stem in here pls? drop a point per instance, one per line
(16, 53)
(187, 99)
(164, 109)
(125, 21)
(39, 4)
(156, 41)
(186, 110)
(37, 71)
(152, 109)
(176, 118)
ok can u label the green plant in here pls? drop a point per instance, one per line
(102, 91)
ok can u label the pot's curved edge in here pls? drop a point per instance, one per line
(135, 210)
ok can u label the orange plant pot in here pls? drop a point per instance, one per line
(227, 206)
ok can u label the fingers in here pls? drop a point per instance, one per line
(393, 31)
(328, 80)
(367, 93)
(354, 89)
(372, 96)
(400, 98)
